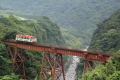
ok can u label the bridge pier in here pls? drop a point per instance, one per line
(87, 64)
(52, 67)
(17, 60)
(52, 62)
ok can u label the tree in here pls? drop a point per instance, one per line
(10, 77)
(115, 76)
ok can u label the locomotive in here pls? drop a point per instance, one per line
(26, 38)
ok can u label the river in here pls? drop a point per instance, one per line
(71, 72)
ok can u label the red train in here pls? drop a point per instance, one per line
(26, 38)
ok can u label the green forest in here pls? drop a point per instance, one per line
(106, 38)
(77, 17)
(46, 31)
(68, 23)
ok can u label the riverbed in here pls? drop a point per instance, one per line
(71, 72)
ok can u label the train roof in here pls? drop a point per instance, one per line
(21, 35)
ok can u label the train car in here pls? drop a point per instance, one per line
(26, 38)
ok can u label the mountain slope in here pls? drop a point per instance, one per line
(66, 12)
(47, 33)
(78, 16)
(107, 36)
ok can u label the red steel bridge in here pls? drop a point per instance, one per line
(52, 57)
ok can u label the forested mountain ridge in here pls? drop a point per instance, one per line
(43, 28)
(106, 38)
(78, 16)
(47, 33)
(73, 11)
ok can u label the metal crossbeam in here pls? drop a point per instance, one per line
(52, 56)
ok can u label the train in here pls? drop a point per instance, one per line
(26, 38)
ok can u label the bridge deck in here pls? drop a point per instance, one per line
(98, 56)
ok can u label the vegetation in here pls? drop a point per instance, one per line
(106, 38)
(44, 29)
(111, 71)
(79, 17)
(10, 77)
(71, 40)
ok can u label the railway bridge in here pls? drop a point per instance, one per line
(51, 56)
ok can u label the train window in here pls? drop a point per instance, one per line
(22, 37)
(26, 37)
(34, 38)
(19, 37)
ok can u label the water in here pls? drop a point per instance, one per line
(71, 73)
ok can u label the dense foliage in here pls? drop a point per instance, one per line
(10, 77)
(110, 71)
(79, 17)
(44, 29)
(75, 13)
(71, 40)
(107, 36)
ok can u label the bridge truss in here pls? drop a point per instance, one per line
(52, 61)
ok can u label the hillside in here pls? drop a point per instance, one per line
(107, 35)
(106, 38)
(47, 33)
(43, 28)
(78, 16)
(109, 71)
